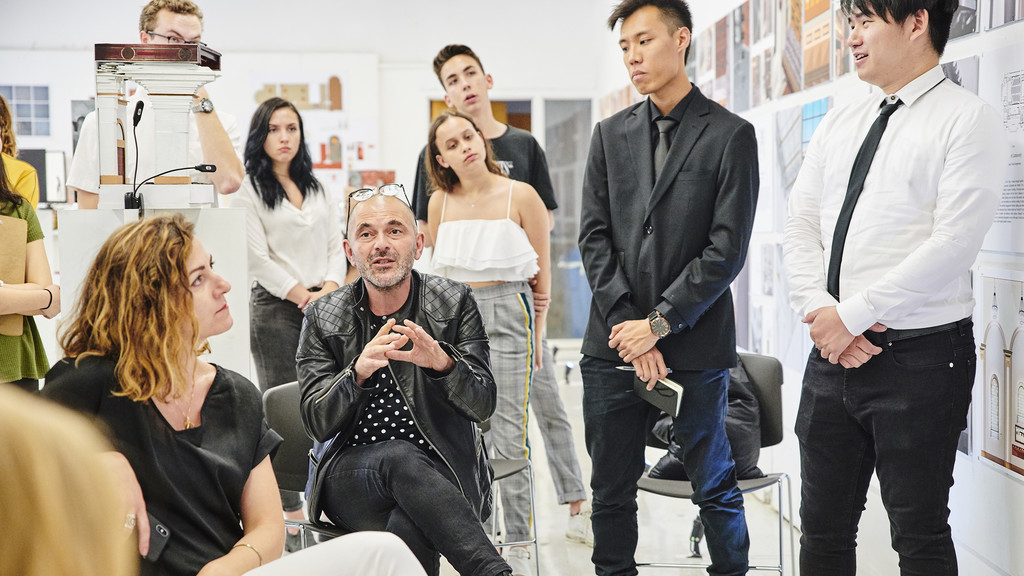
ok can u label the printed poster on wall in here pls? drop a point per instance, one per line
(1002, 86)
(817, 38)
(999, 318)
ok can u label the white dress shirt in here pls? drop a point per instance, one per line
(84, 173)
(927, 203)
(288, 246)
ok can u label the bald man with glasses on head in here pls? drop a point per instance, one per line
(394, 371)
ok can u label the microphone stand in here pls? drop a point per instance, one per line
(132, 200)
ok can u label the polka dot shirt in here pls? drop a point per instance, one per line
(387, 417)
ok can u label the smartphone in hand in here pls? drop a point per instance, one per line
(159, 534)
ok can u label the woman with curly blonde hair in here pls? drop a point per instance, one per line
(192, 445)
(60, 514)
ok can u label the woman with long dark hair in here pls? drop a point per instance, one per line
(25, 293)
(295, 246)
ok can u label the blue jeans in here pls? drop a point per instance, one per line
(899, 415)
(394, 486)
(617, 422)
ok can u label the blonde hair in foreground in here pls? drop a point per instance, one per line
(60, 514)
(135, 305)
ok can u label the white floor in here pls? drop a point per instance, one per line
(665, 523)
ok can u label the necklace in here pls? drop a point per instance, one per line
(188, 409)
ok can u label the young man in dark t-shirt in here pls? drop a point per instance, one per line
(466, 87)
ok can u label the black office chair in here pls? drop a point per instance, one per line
(766, 374)
(291, 462)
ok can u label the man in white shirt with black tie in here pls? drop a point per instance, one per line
(886, 218)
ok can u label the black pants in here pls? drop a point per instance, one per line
(899, 415)
(274, 327)
(396, 487)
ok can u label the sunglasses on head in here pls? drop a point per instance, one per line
(362, 194)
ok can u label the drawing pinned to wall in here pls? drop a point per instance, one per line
(721, 82)
(811, 115)
(329, 94)
(741, 58)
(757, 91)
(1000, 296)
(793, 62)
(705, 56)
(793, 130)
(817, 36)
(842, 56)
(762, 19)
(756, 326)
(963, 72)
(1015, 379)
(691, 60)
(617, 100)
(774, 328)
(768, 272)
(787, 56)
(767, 216)
(992, 353)
(1001, 84)
(965, 20)
(789, 148)
(1002, 12)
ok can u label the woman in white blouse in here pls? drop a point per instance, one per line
(294, 239)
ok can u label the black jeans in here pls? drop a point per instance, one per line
(899, 415)
(274, 327)
(617, 422)
(394, 486)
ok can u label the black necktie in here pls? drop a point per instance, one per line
(661, 151)
(860, 171)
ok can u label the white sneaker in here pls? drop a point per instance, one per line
(520, 561)
(579, 530)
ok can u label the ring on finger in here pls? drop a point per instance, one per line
(129, 521)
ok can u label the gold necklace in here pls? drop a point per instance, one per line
(188, 409)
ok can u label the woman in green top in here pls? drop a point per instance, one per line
(22, 358)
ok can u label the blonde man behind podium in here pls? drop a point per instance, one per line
(213, 139)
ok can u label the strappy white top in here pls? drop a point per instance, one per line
(483, 250)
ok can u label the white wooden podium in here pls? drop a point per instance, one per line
(171, 73)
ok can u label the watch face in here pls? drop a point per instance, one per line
(660, 327)
(204, 105)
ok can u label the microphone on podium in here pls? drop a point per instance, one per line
(134, 200)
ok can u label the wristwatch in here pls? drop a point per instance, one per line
(205, 106)
(659, 325)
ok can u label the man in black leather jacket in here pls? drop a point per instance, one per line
(395, 374)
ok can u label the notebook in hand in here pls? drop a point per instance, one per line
(13, 246)
(666, 395)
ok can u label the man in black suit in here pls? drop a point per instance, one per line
(661, 245)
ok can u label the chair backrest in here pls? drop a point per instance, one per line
(291, 462)
(766, 374)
